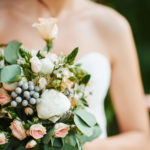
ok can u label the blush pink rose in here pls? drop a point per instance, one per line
(35, 64)
(61, 130)
(3, 138)
(18, 130)
(31, 144)
(4, 97)
(28, 111)
(37, 131)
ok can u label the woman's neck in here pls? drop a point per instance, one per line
(56, 7)
(40, 8)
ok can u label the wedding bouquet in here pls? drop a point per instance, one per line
(43, 97)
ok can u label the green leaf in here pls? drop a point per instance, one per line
(85, 103)
(48, 136)
(71, 57)
(20, 148)
(96, 133)
(69, 147)
(46, 147)
(9, 73)
(39, 55)
(70, 140)
(82, 126)
(11, 52)
(87, 117)
(86, 79)
(58, 143)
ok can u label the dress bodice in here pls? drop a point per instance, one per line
(99, 68)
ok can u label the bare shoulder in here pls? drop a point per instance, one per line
(112, 27)
(106, 18)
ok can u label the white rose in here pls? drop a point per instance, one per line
(53, 104)
(42, 83)
(53, 57)
(35, 64)
(3, 138)
(47, 66)
(47, 28)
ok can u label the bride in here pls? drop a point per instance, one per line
(107, 51)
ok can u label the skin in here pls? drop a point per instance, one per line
(97, 28)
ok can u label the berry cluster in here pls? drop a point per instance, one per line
(26, 93)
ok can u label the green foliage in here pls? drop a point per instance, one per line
(48, 136)
(10, 74)
(87, 117)
(71, 57)
(82, 126)
(86, 79)
(84, 102)
(11, 52)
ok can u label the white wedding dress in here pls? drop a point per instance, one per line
(99, 67)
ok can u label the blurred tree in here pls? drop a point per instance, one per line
(137, 13)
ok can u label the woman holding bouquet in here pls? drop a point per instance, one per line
(102, 35)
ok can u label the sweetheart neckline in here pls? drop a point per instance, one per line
(97, 53)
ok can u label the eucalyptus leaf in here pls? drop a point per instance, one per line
(11, 52)
(96, 133)
(87, 117)
(71, 57)
(9, 73)
(69, 147)
(70, 140)
(82, 126)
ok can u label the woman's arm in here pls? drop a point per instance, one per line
(126, 92)
(148, 101)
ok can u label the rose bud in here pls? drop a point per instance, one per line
(10, 116)
(31, 144)
(35, 64)
(18, 130)
(37, 131)
(3, 139)
(4, 97)
(61, 130)
(42, 83)
(28, 111)
(10, 87)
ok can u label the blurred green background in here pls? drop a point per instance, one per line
(137, 13)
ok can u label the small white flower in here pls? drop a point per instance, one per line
(42, 83)
(53, 104)
(21, 61)
(53, 57)
(47, 66)
(33, 52)
(47, 28)
(59, 75)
